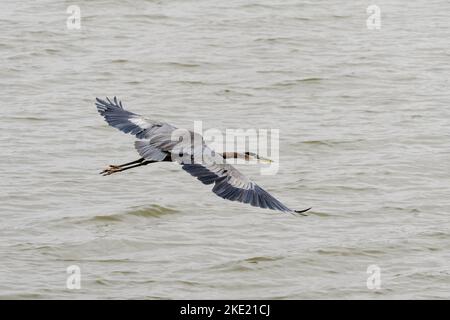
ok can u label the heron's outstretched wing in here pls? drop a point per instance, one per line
(129, 122)
(158, 139)
(231, 184)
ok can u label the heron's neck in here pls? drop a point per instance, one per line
(234, 155)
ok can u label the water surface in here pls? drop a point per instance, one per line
(364, 118)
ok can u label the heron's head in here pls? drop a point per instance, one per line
(253, 156)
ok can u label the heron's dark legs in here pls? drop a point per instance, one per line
(128, 164)
(114, 169)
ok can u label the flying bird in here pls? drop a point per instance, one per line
(156, 144)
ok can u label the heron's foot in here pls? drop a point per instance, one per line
(110, 170)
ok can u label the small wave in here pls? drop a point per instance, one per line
(312, 212)
(290, 83)
(341, 16)
(234, 92)
(331, 143)
(261, 259)
(310, 79)
(257, 5)
(103, 282)
(107, 218)
(124, 272)
(116, 261)
(276, 39)
(133, 82)
(52, 51)
(183, 64)
(28, 119)
(302, 18)
(317, 142)
(153, 211)
(119, 61)
(275, 71)
(145, 16)
(349, 252)
(22, 296)
(188, 283)
(190, 82)
(247, 264)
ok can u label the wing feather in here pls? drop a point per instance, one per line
(231, 184)
(129, 122)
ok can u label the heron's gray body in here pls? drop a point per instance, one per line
(156, 143)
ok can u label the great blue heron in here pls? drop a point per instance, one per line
(156, 144)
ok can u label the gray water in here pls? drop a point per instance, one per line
(365, 127)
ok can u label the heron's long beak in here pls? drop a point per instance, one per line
(264, 160)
